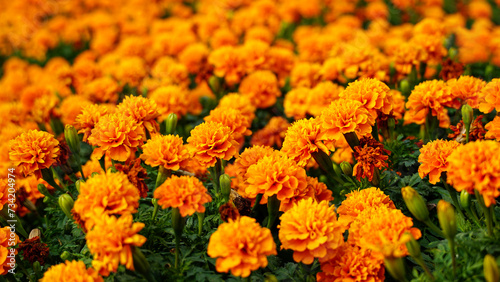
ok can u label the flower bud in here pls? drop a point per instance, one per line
(37, 267)
(65, 256)
(391, 123)
(465, 199)
(78, 183)
(447, 219)
(72, 139)
(490, 268)
(404, 86)
(43, 189)
(178, 222)
(215, 84)
(415, 203)
(396, 268)
(346, 168)
(413, 246)
(170, 123)
(336, 169)
(141, 264)
(270, 278)
(66, 203)
(467, 114)
(225, 186)
(453, 53)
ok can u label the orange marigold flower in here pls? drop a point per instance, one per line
(372, 93)
(321, 96)
(360, 200)
(493, 128)
(238, 102)
(4, 192)
(33, 151)
(275, 175)
(467, 88)
(369, 155)
(433, 158)
(241, 246)
(210, 141)
(6, 242)
(170, 99)
(118, 134)
(382, 229)
(261, 87)
(233, 119)
(71, 271)
(301, 141)
(102, 90)
(228, 63)
(353, 263)
(44, 108)
(186, 193)
(272, 134)
(296, 102)
(71, 107)
(344, 116)
(314, 189)
(476, 165)
(476, 131)
(433, 96)
(165, 150)
(489, 98)
(143, 110)
(311, 230)
(398, 104)
(194, 57)
(250, 157)
(121, 197)
(88, 118)
(305, 74)
(111, 241)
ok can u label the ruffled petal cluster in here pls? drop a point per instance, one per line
(489, 98)
(6, 248)
(168, 151)
(493, 128)
(433, 158)
(88, 118)
(71, 271)
(372, 93)
(143, 110)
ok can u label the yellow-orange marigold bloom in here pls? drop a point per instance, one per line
(433, 96)
(194, 57)
(102, 89)
(275, 175)
(305, 74)
(261, 87)
(238, 102)
(210, 141)
(433, 158)
(301, 141)
(315, 190)
(467, 89)
(321, 96)
(228, 63)
(4, 192)
(493, 128)
(344, 116)
(33, 151)
(165, 150)
(186, 193)
(272, 134)
(398, 104)
(296, 102)
(71, 107)
(143, 110)
(372, 93)
(233, 119)
(71, 271)
(311, 230)
(382, 229)
(111, 241)
(250, 157)
(6, 242)
(360, 200)
(88, 118)
(241, 246)
(490, 96)
(353, 263)
(118, 134)
(476, 165)
(170, 99)
(369, 155)
(106, 194)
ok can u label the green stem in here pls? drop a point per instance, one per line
(273, 206)
(177, 251)
(163, 174)
(434, 228)
(257, 202)
(178, 223)
(48, 175)
(467, 129)
(59, 178)
(375, 132)
(453, 195)
(201, 217)
(155, 209)
(421, 262)
(451, 242)
(473, 216)
(489, 222)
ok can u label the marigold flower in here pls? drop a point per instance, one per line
(4, 194)
(261, 87)
(194, 57)
(71, 271)
(33, 151)
(372, 93)
(311, 230)
(275, 175)
(136, 174)
(353, 263)
(249, 157)
(118, 134)
(489, 98)
(398, 104)
(186, 193)
(301, 141)
(210, 141)
(5, 246)
(228, 63)
(170, 72)
(344, 116)
(369, 155)
(143, 110)
(476, 131)
(272, 134)
(34, 250)
(88, 118)
(238, 102)
(165, 150)
(296, 103)
(314, 189)
(233, 119)
(170, 99)
(111, 241)
(433, 96)
(475, 165)
(241, 246)
(382, 229)
(44, 108)
(121, 197)
(130, 70)
(321, 96)
(360, 200)
(493, 128)
(433, 158)
(305, 75)
(467, 88)
(102, 90)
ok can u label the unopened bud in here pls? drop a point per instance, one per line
(72, 139)
(490, 268)
(77, 184)
(37, 267)
(225, 186)
(447, 219)
(415, 203)
(214, 84)
(170, 123)
(465, 199)
(65, 256)
(346, 168)
(391, 123)
(66, 203)
(141, 264)
(43, 189)
(453, 53)
(413, 246)
(396, 268)
(467, 114)
(270, 278)
(405, 86)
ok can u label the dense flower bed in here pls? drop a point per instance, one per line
(248, 140)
